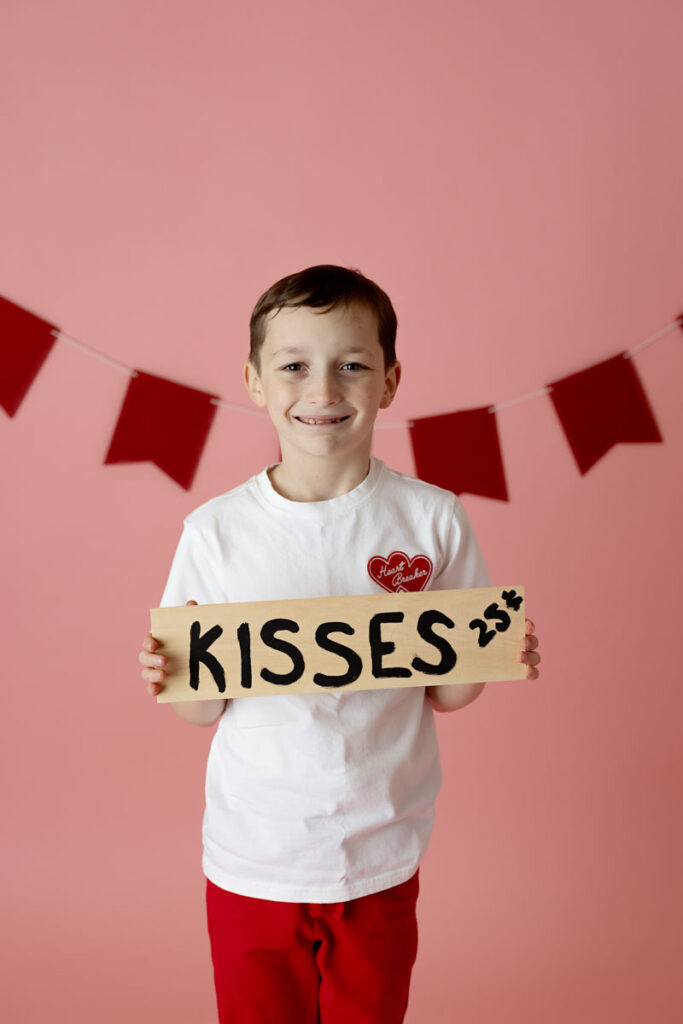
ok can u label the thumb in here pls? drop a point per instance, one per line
(190, 602)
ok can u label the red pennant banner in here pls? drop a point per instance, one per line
(164, 423)
(168, 423)
(25, 342)
(461, 452)
(603, 406)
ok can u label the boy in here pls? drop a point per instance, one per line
(319, 807)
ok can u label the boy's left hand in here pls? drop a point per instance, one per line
(529, 655)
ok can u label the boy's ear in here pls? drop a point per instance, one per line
(391, 382)
(253, 384)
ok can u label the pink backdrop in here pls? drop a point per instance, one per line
(511, 174)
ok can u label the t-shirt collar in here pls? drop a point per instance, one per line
(320, 510)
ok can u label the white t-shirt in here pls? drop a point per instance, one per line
(322, 797)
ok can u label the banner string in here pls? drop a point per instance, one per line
(522, 398)
(93, 352)
(236, 407)
(678, 322)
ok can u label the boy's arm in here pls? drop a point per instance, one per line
(450, 698)
(200, 712)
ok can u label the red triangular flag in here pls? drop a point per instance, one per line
(461, 452)
(602, 406)
(164, 423)
(26, 341)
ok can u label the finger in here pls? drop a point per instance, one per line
(153, 675)
(154, 689)
(530, 658)
(151, 660)
(532, 673)
(150, 643)
(189, 602)
(529, 626)
(152, 667)
(530, 643)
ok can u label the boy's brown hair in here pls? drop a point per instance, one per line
(325, 286)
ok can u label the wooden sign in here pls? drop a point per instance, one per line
(368, 642)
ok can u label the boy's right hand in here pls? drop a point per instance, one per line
(153, 670)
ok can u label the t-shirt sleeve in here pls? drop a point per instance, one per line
(464, 565)
(194, 574)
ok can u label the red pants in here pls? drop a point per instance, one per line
(313, 963)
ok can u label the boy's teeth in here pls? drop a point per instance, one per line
(311, 420)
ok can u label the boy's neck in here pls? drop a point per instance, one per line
(318, 479)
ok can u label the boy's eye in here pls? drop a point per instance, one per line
(295, 367)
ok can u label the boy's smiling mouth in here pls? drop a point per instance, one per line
(320, 421)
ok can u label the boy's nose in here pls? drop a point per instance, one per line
(323, 390)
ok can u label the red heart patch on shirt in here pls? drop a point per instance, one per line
(399, 573)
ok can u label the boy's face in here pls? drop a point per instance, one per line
(322, 380)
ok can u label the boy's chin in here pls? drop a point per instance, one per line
(323, 442)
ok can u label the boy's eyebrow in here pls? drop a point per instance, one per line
(289, 351)
(292, 350)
